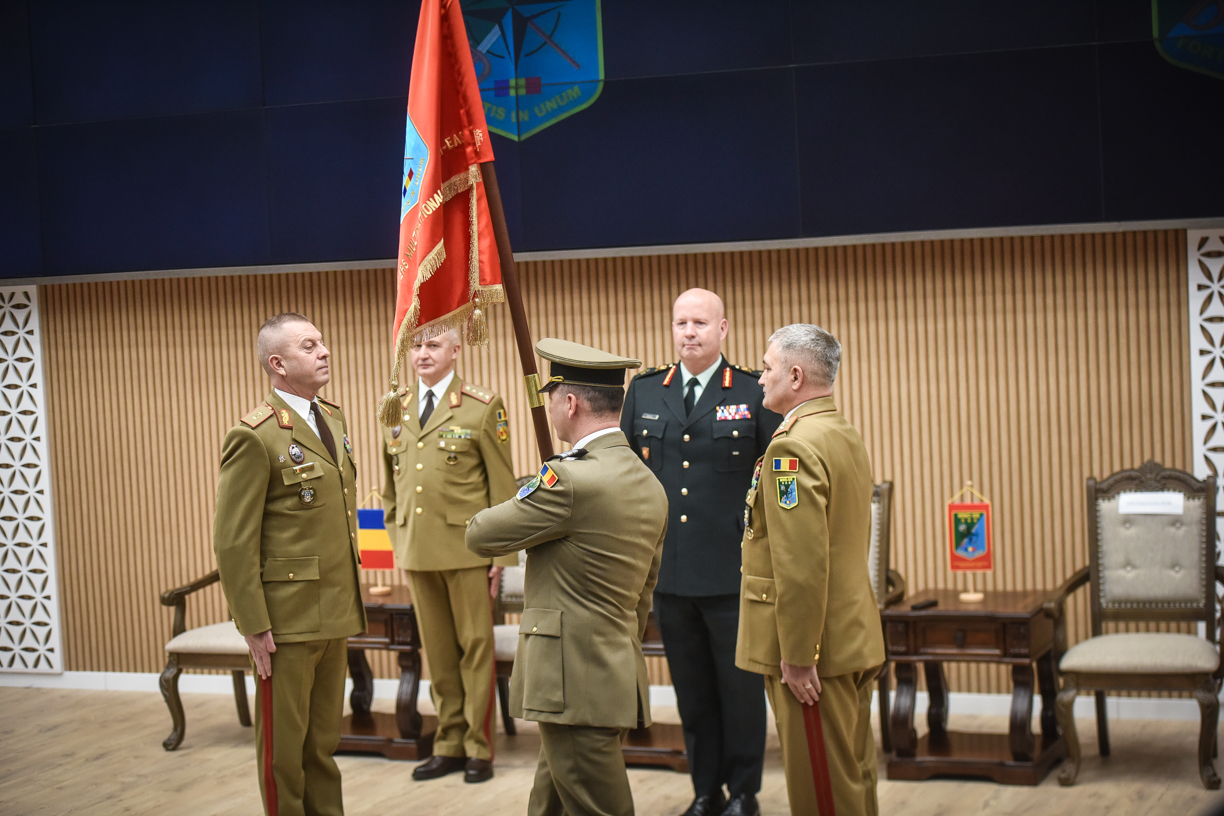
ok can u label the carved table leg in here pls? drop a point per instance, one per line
(904, 736)
(937, 687)
(406, 715)
(240, 698)
(363, 682)
(1209, 706)
(1020, 733)
(1064, 708)
(1048, 686)
(170, 693)
(885, 686)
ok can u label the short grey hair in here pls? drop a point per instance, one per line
(271, 339)
(812, 349)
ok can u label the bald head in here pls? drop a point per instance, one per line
(699, 325)
(274, 337)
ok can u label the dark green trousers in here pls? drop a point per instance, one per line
(307, 706)
(581, 773)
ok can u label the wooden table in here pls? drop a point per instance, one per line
(662, 743)
(1016, 629)
(391, 626)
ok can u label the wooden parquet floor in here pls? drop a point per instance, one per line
(90, 752)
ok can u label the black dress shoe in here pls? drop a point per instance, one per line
(438, 766)
(743, 805)
(477, 770)
(706, 806)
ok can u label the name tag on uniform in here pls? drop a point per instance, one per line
(650, 416)
(725, 412)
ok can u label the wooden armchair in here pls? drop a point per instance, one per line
(888, 585)
(217, 646)
(1147, 567)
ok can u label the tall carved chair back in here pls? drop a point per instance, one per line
(1151, 558)
(505, 635)
(887, 583)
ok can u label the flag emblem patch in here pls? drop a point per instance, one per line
(786, 465)
(788, 494)
(548, 476)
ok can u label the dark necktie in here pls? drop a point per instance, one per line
(429, 406)
(325, 434)
(690, 398)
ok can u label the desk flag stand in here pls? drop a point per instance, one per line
(374, 542)
(970, 541)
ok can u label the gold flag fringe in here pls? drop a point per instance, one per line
(469, 319)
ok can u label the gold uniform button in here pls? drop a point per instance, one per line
(350, 513)
(683, 519)
(291, 576)
(685, 464)
(533, 628)
(420, 489)
(686, 437)
(346, 491)
(420, 466)
(420, 445)
(645, 432)
(735, 433)
(420, 510)
(684, 491)
(763, 597)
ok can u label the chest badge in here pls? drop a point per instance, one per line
(348, 448)
(280, 458)
(306, 495)
(295, 453)
(396, 431)
(727, 412)
(645, 454)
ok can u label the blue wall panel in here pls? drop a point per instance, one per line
(16, 91)
(19, 232)
(174, 192)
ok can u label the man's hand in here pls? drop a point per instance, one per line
(262, 646)
(803, 682)
(495, 581)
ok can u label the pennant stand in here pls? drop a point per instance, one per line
(970, 541)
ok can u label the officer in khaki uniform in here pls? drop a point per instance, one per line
(593, 522)
(437, 473)
(806, 599)
(285, 535)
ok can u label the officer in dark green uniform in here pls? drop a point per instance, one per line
(699, 426)
(285, 535)
(592, 522)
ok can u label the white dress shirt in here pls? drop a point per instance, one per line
(582, 443)
(438, 389)
(703, 379)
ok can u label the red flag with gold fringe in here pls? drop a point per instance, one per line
(447, 268)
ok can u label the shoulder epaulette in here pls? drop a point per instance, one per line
(258, 415)
(646, 372)
(328, 402)
(747, 371)
(477, 392)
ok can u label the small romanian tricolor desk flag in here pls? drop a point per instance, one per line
(373, 541)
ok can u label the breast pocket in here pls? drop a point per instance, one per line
(735, 446)
(761, 625)
(454, 455)
(541, 653)
(291, 592)
(648, 435)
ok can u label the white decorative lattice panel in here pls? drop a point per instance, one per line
(29, 595)
(1205, 256)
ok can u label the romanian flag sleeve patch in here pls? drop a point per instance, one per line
(786, 465)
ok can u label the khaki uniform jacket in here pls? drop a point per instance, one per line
(806, 594)
(596, 540)
(285, 533)
(437, 477)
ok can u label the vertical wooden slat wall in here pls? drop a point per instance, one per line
(1024, 364)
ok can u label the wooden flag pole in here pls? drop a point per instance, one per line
(518, 315)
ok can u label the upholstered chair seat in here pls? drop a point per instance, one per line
(216, 638)
(1142, 653)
